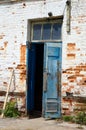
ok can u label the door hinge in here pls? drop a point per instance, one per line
(28, 44)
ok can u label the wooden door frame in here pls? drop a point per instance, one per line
(30, 41)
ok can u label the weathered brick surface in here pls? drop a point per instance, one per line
(13, 37)
(74, 54)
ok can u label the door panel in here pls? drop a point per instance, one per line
(35, 77)
(51, 85)
(31, 78)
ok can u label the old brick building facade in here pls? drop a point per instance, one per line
(15, 21)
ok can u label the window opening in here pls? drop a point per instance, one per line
(43, 31)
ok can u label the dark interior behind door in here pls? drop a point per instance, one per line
(38, 77)
(35, 78)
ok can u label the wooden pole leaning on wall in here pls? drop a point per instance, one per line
(7, 92)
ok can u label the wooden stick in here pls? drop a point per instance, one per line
(7, 92)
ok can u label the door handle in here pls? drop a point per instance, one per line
(48, 73)
(45, 81)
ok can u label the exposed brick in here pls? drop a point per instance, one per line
(20, 94)
(78, 49)
(2, 36)
(70, 69)
(22, 53)
(10, 68)
(82, 82)
(64, 71)
(71, 56)
(1, 48)
(73, 77)
(79, 75)
(14, 62)
(71, 46)
(5, 44)
(21, 66)
(23, 75)
(5, 83)
(64, 84)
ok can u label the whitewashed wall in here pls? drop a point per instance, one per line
(13, 37)
(74, 58)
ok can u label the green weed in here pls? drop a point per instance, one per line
(80, 118)
(11, 110)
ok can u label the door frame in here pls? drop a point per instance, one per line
(27, 98)
(28, 45)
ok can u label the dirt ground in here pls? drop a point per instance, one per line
(36, 124)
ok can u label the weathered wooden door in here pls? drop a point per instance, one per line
(51, 80)
(30, 78)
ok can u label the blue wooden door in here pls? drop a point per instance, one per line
(51, 80)
(31, 52)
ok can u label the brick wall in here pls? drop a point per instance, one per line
(13, 36)
(74, 57)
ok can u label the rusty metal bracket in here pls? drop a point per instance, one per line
(68, 3)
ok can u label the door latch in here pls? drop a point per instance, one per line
(45, 81)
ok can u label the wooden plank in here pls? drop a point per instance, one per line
(7, 92)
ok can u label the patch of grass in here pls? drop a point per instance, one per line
(80, 118)
(11, 110)
(67, 118)
(0, 111)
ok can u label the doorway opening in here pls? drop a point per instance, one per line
(37, 80)
(44, 68)
(38, 77)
